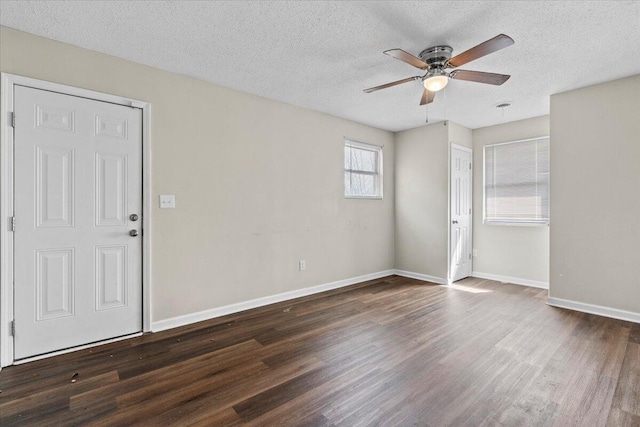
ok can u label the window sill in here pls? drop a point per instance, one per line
(517, 224)
(364, 197)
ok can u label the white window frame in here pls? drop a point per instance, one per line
(379, 182)
(510, 222)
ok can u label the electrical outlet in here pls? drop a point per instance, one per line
(475, 253)
(167, 201)
(302, 264)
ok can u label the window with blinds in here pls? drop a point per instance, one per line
(516, 182)
(362, 170)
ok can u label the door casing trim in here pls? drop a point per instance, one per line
(8, 81)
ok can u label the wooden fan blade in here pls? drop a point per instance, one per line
(479, 77)
(498, 42)
(407, 57)
(399, 82)
(427, 97)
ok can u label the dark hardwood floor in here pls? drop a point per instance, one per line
(392, 351)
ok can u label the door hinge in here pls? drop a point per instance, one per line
(13, 120)
(469, 165)
(12, 223)
(12, 328)
(469, 211)
(469, 256)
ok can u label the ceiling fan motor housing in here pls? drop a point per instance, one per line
(436, 56)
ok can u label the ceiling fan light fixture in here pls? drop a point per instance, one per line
(436, 80)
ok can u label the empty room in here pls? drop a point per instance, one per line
(320, 213)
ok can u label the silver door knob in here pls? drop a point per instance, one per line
(455, 222)
(133, 233)
(133, 217)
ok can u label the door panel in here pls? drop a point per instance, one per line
(54, 187)
(77, 274)
(54, 283)
(55, 118)
(111, 189)
(111, 277)
(461, 215)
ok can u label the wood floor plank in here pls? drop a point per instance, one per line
(223, 395)
(627, 395)
(308, 405)
(50, 400)
(173, 375)
(390, 352)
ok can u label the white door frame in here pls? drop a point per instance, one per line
(469, 150)
(7, 197)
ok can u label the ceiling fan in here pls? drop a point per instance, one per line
(436, 59)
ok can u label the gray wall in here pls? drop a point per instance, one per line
(595, 195)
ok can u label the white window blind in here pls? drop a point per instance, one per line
(516, 182)
(362, 170)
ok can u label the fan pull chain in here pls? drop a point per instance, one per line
(503, 106)
(444, 95)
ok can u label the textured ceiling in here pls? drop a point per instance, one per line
(320, 55)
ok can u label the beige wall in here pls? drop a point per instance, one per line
(520, 252)
(595, 195)
(422, 158)
(460, 135)
(258, 183)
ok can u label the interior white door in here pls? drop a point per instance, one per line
(78, 185)
(461, 214)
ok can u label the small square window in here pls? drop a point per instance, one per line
(362, 170)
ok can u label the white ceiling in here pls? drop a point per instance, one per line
(320, 55)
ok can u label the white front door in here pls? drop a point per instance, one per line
(78, 185)
(461, 196)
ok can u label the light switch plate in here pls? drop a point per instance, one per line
(167, 201)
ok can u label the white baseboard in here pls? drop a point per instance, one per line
(599, 310)
(186, 319)
(512, 280)
(420, 276)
